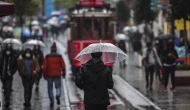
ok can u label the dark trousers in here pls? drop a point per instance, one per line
(7, 86)
(27, 82)
(149, 72)
(169, 70)
(37, 81)
(96, 107)
(157, 70)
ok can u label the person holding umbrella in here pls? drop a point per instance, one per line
(169, 62)
(40, 57)
(8, 67)
(94, 77)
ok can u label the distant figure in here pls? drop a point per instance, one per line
(95, 79)
(28, 68)
(40, 57)
(8, 67)
(150, 58)
(53, 69)
(169, 62)
(122, 46)
(157, 66)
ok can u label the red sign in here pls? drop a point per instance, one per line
(91, 3)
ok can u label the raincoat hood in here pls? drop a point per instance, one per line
(95, 65)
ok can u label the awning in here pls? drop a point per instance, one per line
(6, 9)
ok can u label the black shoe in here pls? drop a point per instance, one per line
(58, 100)
(6, 105)
(27, 105)
(51, 105)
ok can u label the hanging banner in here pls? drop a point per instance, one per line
(180, 24)
(92, 3)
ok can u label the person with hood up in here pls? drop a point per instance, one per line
(53, 69)
(8, 67)
(28, 68)
(169, 62)
(40, 57)
(95, 79)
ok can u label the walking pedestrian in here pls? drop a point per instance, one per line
(95, 79)
(40, 57)
(169, 62)
(8, 67)
(157, 65)
(53, 69)
(28, 68)
(150, 57)
(122, 46)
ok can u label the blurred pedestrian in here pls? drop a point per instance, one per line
(53, 69)
(157, 65)
(150, 57)
(95, 79)
(40, 57)
(169, 64)
(122, 46)
(28, 68)
(8, 67)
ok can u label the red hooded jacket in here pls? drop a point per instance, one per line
(53, 65)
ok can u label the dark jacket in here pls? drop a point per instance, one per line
(40, 57)
(95, 79)
(12, 63)
(53, 65)
(122, 46)
(167, 59)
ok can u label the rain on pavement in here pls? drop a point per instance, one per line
(128, 94)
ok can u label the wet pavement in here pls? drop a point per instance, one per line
(129, 91)
(39, 101)
(180, 100)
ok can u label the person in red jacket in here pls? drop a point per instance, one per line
(53, 69)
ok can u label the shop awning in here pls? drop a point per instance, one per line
(6, 9)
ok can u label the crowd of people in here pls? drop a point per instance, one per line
(159, 59)
(31, 66)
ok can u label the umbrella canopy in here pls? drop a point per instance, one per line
(6, 9)
(121, 37)
(12, 40)
(109, 53)
(56, 13)
(34, 42)
(26, 33)
(15, 43)
(164, 37)
(35, 22)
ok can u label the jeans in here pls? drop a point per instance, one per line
(27, 82)
(149, 71)
(57, 81)
(96, 107)
(7, 86)
(169, 70)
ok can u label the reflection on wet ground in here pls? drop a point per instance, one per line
(180, 100)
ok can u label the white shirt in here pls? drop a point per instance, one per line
(152, 58)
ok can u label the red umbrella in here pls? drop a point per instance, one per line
(6, 9)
